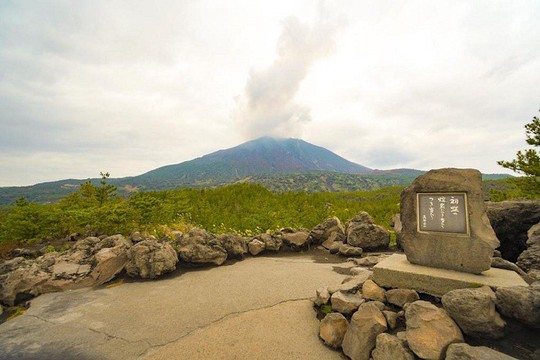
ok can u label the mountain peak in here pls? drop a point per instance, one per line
(264, 155)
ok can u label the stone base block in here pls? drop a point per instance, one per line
(396, 272)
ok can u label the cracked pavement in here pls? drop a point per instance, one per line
(256, 308)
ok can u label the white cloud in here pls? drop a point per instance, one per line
(129, 86)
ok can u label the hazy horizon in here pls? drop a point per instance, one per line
(127, 87)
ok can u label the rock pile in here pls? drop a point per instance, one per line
(96, 260)
(369, 322)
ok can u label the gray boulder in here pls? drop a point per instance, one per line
(297, 241)
(511, 221)
(332, 329)
(521, 303)
(200, 247)
(467, 352)
(474, 311)
(235, 245)
(390, 347)
(21, 284)
(329, 227)
(256, 247)
(360, 339)
(271, 242)
(150, 259)
(430, 330)
(362, 232)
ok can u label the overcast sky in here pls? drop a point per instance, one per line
(128, 86)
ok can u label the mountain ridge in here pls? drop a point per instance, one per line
(281, 164)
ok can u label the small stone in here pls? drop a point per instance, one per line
(346, 303)
(507, 265)
(430, 330)
(334, 248)
(372, 291)
(353, 283)
(322, 296)
(332, 329)
(377, 304)
(400, 297)
(136, 237)
(370, 260)
(390, 347)
(348, 250)
(256, 247)
(357, 270)
(474, 311)
(391, 319)
(464, 351)
(521, 303)
(360, 339)
(297, 241)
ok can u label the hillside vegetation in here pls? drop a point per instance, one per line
(240, 208)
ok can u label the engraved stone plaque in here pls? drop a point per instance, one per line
(442, 213)
(444, 221)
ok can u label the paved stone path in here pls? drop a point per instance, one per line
(258, 308)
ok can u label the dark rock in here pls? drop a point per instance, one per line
(500, 263)
(466, 352)
(149, 259)
(329, 227)
(271, 242)
(511, 221)
(200, 247)
(235, 245)
(364, 233)
(297, 241)
(348, 250)
(474, 311)
(521, 303)
(255, 247)
(530, 258)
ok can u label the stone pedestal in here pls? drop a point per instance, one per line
(444, 221)
(396, 272)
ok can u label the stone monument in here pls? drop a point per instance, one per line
(446, 236)
(445, 224)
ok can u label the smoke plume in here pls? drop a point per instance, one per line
(268, 105)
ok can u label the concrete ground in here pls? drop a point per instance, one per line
(258, 308)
